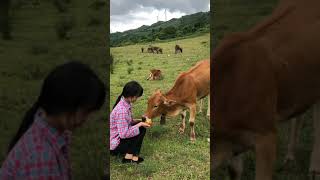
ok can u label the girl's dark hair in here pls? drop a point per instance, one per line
(132, 88)
(68, 88)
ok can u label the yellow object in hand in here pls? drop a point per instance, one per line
(149, 121)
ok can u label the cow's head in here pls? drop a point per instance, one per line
(158, 105)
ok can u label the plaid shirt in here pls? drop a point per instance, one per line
(120, 124)
(40, 154)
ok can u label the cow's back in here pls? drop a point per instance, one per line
(201, 76)
(295, 40)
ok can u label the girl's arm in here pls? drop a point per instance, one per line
(126, 130)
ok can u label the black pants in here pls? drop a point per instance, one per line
(130, 145)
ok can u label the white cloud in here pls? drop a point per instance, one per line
(131, 14)
(136, 19)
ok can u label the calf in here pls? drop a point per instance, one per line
(155, 74)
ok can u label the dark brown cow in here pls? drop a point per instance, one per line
(188, 87)
(142, 50)
(177, 49)
(262, 77)
(155, 74)
(150, 50)
(156, 49)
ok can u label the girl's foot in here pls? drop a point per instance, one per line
(127, 158)
(137, 159)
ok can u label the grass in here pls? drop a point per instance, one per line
(168, 154)
(28, 58)
(239, 15)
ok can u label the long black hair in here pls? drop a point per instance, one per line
(67, 88)
(131, 89)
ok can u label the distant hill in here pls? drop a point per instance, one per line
(174, 28)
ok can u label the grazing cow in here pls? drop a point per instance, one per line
(155, 74)
(142, 50)
(188, 87)
(262, 77)
(178, 49)
(150, 50)
(156, 49)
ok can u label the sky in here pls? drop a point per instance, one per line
(131, 14)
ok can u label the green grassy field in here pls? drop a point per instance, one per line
(168, 154)
(239, 15)
(34, 51)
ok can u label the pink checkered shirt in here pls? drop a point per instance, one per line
(40, 154)
(120, 124)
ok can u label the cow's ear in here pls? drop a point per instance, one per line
(169, 102)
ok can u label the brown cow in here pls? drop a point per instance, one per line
(150, 50)
(264, 76)
(177, 48)
(156, 49)
(155, 74)
(188, 87)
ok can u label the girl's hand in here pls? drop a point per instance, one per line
(143, 124)
(136, 120)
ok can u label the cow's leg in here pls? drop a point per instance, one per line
(183, 124)
(315, 156)
(208, 110)
(295, 124)
(236, 168)
(200, 106)
(191, 121)
(265, 155)
(162, 119)
(150, 76)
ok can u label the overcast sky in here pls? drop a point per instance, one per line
(131, 14)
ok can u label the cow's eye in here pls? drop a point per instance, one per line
(155, 106)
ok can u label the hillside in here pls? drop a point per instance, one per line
(174, 28)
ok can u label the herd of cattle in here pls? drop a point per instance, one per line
(155, 49)
(262, 77)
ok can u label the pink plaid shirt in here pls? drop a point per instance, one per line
(40, 154)
(120, 124)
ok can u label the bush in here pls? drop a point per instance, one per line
(130, 70)
(167, 33)
(129, 62)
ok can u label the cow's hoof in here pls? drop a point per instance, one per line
(193, 140)
(181, 130)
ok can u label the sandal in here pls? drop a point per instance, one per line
(140, 159)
